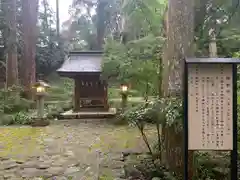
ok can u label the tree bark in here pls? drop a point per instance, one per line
(58, 19)
(179, 45)
(165, 61)
(179, 40)
(29, 19)
(11, 57)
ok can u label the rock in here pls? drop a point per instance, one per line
(59, 162)
(20, 161)
(30, 164)
(69, 154)
(31, 172)
(3, 158)
(55, 170)
(40, 123)
(74, 164)
(9, 164)
(45, 165)
(9, 176)
(71, 170)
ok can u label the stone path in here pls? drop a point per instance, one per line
(70, 150)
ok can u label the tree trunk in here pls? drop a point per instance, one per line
(179, 40)
(180, 34)
(101, 25)
(29, 19)
(12, 60)
(165, 60)
(58, 19)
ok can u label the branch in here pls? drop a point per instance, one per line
(233, 12)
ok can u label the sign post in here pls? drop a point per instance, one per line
(210, 107)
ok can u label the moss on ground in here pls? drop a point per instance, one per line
(20, 141)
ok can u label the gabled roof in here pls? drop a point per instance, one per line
(82, 61)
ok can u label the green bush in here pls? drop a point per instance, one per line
(22, 118)
(166, 110)
(12, 106)
(54, 110)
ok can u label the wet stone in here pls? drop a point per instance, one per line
(9, 164)
(30, 164)
(20, 161)
(59, 162)
(9, 176)
(71, 170)
(55, 170)
(69, 154)
(31, 172)
(3, 158)
(44, 165)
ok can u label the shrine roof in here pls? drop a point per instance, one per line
(82, 61)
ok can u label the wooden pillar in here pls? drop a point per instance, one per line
(77, 95)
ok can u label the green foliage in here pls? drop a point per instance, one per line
(209, 166)
(143, 17)
(54, 110)
(223, 18)
(11, 102)
(167, 112)
(136, 63)
(49, 56)
(22, 118)
(19, 118)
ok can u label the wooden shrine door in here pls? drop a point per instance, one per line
(92, 92)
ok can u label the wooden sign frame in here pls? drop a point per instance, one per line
(218, 83)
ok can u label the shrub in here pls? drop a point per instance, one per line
(54, 110)
(164, 110)
(6, 119)
(11, 102)
(12, 106)
(22, 118)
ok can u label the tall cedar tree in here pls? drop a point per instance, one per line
(11, 42)
(180, 36)
(28, 64)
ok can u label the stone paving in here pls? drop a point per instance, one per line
(69, 150)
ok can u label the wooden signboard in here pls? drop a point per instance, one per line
(210, 104)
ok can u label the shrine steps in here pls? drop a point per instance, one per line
(88, 114)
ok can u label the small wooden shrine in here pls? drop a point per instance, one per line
(90, 92)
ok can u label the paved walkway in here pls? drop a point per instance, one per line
(69, 150)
